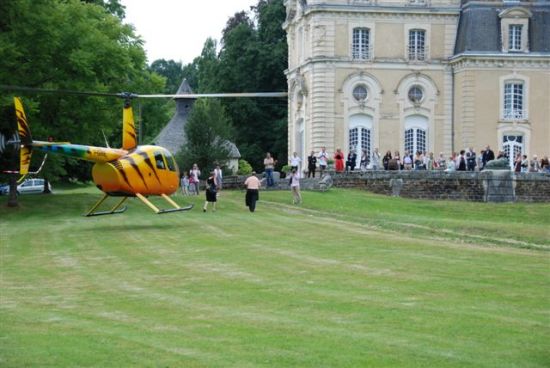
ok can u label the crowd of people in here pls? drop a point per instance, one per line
(465, 160)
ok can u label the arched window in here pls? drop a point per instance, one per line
(512, 145)
(415, 135)
(359, 134)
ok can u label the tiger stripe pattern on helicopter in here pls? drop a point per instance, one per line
(129, 136)
(136, 168)
(149, 163)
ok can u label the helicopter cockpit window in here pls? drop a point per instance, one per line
(171, 163)
(160, 161)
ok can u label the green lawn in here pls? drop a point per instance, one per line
(348, 279)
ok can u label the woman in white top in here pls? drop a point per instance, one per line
(295, 187)
(295, 162)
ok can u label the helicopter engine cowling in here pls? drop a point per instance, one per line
(148, 170)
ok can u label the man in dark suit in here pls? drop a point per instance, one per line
(488, 155)
(351, 161)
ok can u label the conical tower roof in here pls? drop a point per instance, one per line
(172, 136)
(184, 88)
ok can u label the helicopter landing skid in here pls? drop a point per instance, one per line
(158, 211)
(113, 210)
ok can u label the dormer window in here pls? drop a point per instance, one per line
(514, 37)
(514, 27)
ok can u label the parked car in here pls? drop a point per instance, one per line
(27, 186)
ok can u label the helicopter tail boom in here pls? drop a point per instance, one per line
(83, 152)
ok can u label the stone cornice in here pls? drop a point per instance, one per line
(496, 61)
(397, 10)
(398, 64)
(397, 13)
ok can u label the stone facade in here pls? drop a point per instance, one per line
(434, 75)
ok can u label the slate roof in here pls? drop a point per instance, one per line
(172, 136)
(479, 26)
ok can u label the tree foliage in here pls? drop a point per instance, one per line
(208, 131)
(171, 70)
(253, 58)
(72, 45)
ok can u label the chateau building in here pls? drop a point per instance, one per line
(419, 75)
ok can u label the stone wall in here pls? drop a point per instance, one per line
(470, 186)
(533, 187)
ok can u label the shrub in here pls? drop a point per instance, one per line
(244, 168)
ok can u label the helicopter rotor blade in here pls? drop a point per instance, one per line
(58, 91)
(128, 95)
(218, 95)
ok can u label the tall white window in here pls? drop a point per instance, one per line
(514, 37)
(512, 146)
(417, 46)
(359, 134)
(416, 134)
(415, 140)
(359, 141)
(513, 101)
(360, 47)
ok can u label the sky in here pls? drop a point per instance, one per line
(177, 29)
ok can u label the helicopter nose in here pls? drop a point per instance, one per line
(107, 178)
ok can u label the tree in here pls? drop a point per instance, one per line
(252, 58)
(171, 70)
(72, 45)
(114, 7)
(208, 131)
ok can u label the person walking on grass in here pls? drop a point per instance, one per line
(295, 186)
(211, 192)
(252, 184)
(194, 179)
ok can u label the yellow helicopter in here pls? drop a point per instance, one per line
(130, 171)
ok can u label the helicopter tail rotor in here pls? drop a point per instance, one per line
(6, 141)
